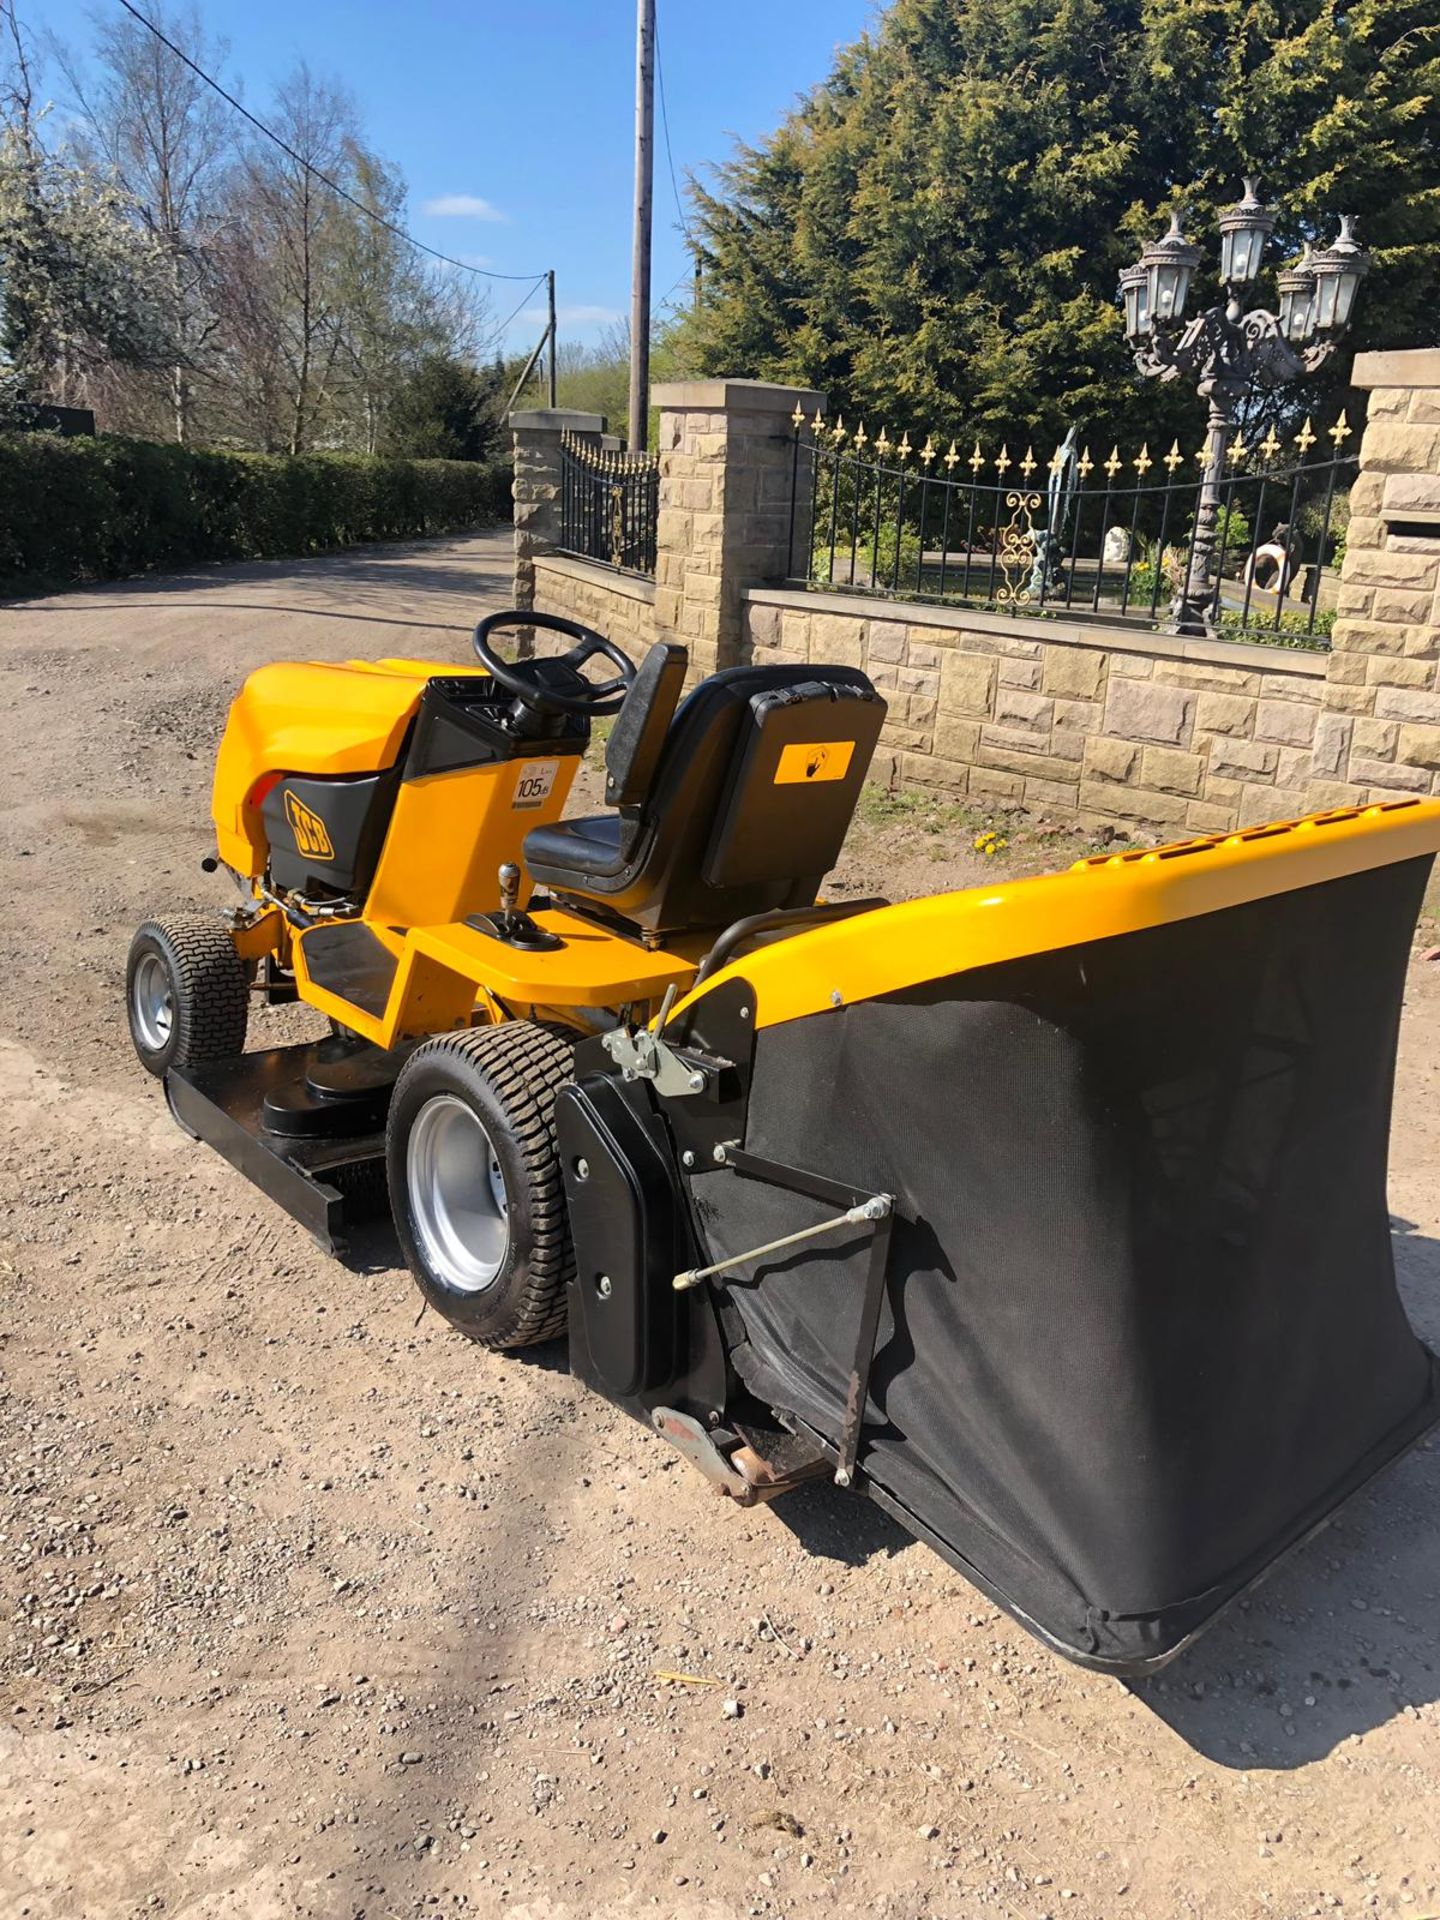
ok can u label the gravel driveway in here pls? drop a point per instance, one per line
(308, 1607)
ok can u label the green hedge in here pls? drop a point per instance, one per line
(100, 509)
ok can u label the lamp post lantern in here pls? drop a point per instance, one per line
(1230, 349)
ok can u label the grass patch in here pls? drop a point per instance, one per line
(1004, 836)
(600, 732)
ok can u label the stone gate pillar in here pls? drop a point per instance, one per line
(1379, 735)
(727, 464)
(536, 486)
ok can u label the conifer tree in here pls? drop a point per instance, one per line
(933, 236)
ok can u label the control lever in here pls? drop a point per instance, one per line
(510, 924)
(509, 894)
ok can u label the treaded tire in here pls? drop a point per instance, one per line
(208, 993)
(508, 1076)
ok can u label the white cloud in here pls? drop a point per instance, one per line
(461, 206)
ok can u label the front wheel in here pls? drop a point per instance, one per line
(186, 993)
(475, 1182)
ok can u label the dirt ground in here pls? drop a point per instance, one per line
(310, 1608)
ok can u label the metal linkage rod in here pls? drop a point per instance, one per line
(878, 1207)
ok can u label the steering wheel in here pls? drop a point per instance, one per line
(591, 697)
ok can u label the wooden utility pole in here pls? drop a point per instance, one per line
(640, 258)
(554, 370)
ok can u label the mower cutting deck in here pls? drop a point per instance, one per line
(1049, 1215)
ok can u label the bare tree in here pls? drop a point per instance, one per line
(166, 139)
(391, 313)
(297, 225)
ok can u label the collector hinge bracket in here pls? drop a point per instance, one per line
(674, 1073)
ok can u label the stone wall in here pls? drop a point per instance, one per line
(1102, 723)
(535, 439)
(619, 605)
(1381, 732)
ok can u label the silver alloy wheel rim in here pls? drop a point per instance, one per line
(457, 1195)
(152, 1004)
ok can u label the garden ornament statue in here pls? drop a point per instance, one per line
(1047, 574)
(1230, 351)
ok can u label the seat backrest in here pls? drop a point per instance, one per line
(632, 753)
(751, 797)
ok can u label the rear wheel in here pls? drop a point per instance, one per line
(475, 1181)
(186, 994)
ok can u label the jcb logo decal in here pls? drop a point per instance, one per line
(311, 837)
(809, 764)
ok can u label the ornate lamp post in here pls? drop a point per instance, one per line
(1229, 350)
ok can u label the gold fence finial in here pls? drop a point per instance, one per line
(1306, 437)
(798, 416)
(1341, 431)
(928, 452)
(976, 461)
(1174, 458)
(882, 442)
(1114, 463)
(1085, 466)
(1029, 463)
(952, 458)
(861, 438)
(1143, 462)
(1002, 461)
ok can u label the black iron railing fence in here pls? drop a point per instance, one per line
(609, 505)
(1107, 539)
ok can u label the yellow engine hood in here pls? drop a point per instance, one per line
(315, 718)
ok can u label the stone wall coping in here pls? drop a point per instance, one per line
(629, 586)
(734, 396)
(1412, 367)
(1165, 646)
(556, 420)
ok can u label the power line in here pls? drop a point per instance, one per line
(390, 226)
(665, 128)
(504, 325)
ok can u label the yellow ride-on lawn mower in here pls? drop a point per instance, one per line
(1049, 1214)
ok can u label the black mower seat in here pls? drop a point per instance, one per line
(737, 805)
(593, 845)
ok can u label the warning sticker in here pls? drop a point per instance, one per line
(534, 783)
(819, 761)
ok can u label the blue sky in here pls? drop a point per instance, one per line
(513, 123)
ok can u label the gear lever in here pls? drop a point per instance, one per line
(510, 924)
(509, 893)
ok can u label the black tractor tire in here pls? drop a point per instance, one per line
(187, 996)
(491, 1252)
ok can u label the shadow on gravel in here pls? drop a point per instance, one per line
(372, 1248)
(388, 569)
(832, 1524)
(1341, 1639)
